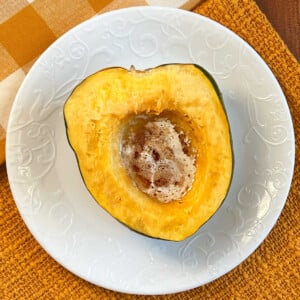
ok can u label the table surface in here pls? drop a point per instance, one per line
(284, 15)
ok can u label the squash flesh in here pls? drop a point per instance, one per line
(101, 105)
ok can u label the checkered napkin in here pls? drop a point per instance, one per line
(28, 27)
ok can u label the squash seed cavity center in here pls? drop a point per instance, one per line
(158, 157)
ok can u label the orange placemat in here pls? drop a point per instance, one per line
(272, 272)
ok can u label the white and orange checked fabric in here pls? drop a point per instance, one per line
(28, 27)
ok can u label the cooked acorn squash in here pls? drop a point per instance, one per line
(153, 147)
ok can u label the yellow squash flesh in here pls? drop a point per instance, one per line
(99, 108)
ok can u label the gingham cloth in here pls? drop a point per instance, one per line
(28, 27)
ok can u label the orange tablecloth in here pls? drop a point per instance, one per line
(272, 272)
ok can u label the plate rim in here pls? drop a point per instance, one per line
(246, 252)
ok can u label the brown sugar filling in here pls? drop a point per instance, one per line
(158, 157)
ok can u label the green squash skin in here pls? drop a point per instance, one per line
(216, 88)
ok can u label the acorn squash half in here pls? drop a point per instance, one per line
(102, 115)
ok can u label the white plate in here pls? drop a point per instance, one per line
(50, 193)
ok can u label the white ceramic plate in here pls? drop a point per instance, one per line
(50, 193)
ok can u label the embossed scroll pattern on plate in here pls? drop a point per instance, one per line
(46, 182)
